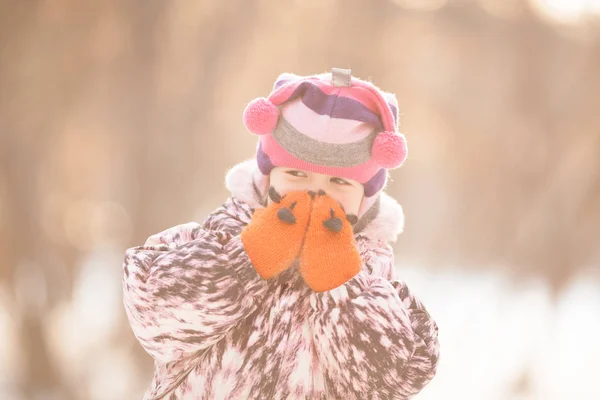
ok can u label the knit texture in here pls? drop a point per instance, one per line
(274, 237)
(311, 228)
(333, 124)
(329, 257)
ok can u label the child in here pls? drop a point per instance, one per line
(288, 290)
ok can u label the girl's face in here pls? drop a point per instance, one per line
(349, 193)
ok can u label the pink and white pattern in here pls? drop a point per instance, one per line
(218, 331)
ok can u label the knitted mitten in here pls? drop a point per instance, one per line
(329, 256)
(274, 236)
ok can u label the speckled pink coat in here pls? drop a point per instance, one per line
(216, 330)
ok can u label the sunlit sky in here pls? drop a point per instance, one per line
(567, 11)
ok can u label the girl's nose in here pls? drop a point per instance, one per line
(318, 184)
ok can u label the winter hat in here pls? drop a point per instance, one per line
(331, 123)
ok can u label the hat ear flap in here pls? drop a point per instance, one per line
(261, 116)
(389, 149)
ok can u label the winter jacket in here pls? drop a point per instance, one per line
(216, 330)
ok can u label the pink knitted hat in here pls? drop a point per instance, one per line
(332, 124)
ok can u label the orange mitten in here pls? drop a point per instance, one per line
(329, 256)
(274, 236)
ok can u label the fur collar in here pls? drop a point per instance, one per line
(386, 225)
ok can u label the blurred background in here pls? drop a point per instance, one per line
(120, 118)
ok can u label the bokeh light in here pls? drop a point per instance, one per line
(567, 11)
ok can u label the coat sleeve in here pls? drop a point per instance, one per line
(186, 287)
(373, 336)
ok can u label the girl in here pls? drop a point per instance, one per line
(288, 290)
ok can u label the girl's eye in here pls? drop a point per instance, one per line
(340, 181)
(296, 173)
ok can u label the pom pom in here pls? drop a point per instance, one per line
(260, 116)
(389, 149)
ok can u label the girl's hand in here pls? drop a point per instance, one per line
(274, 236)
(329, 256)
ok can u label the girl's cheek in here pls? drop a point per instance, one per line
(350, 201)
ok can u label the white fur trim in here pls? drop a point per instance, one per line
(238, 181)
(387, 225)
(389, 222)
